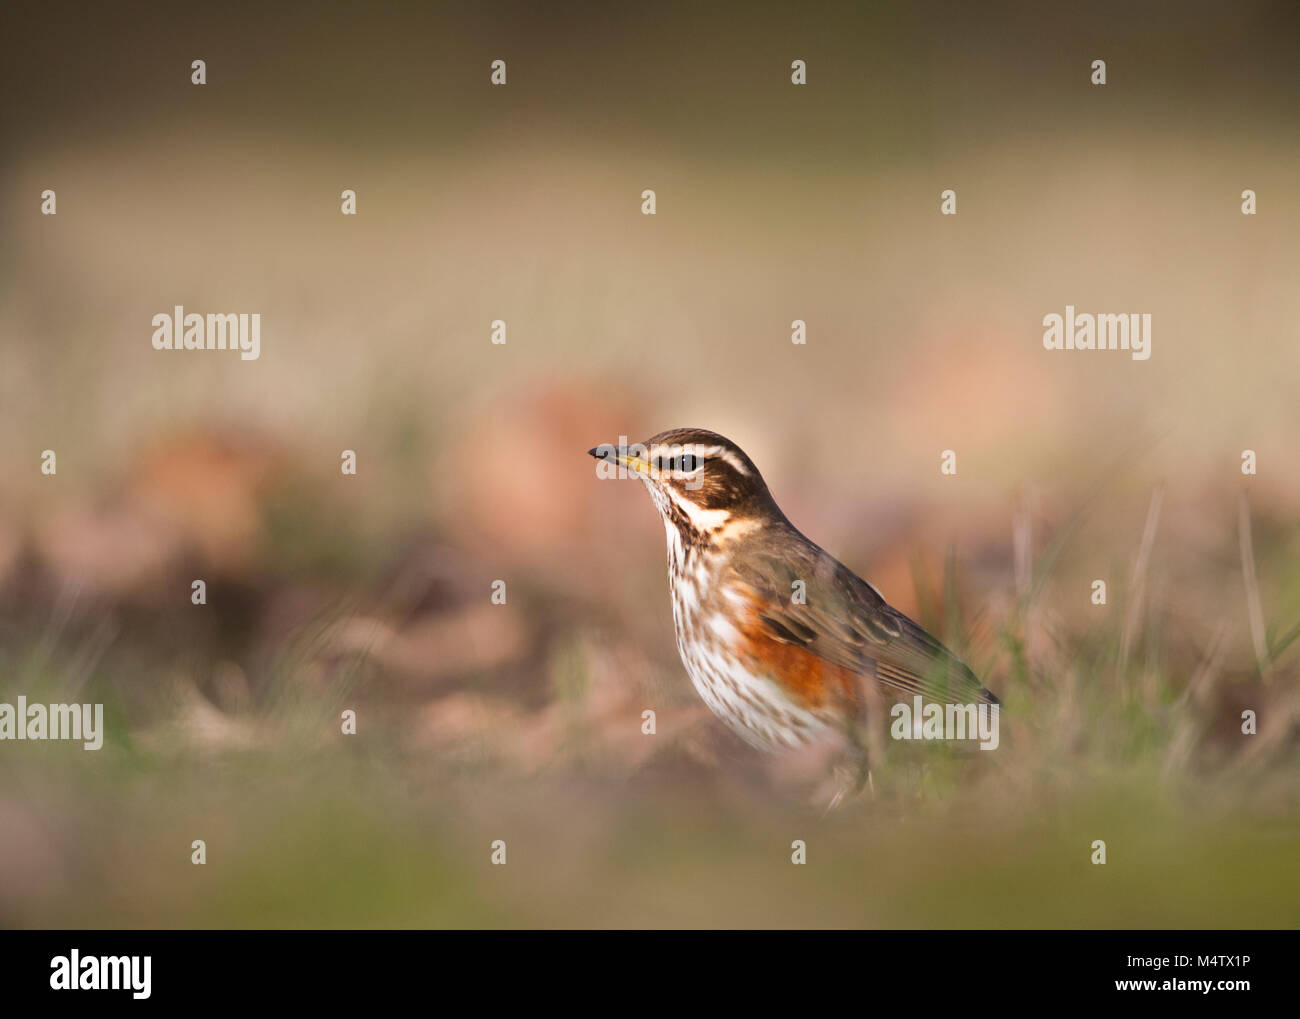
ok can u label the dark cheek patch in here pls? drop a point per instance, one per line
(716, 486)
(719, 493)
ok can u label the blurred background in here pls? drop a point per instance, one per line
(522, 722)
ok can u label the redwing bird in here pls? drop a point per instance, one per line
(778, 637)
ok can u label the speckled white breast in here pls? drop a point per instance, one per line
(752, 705)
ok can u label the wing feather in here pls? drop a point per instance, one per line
(843, 620)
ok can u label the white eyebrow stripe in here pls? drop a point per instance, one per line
(735, 462)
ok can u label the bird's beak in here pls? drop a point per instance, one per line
(615, 455)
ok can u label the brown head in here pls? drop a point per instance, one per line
(699, 480)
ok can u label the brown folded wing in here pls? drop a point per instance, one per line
(843, 622)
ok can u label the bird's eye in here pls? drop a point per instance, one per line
(681, 464)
